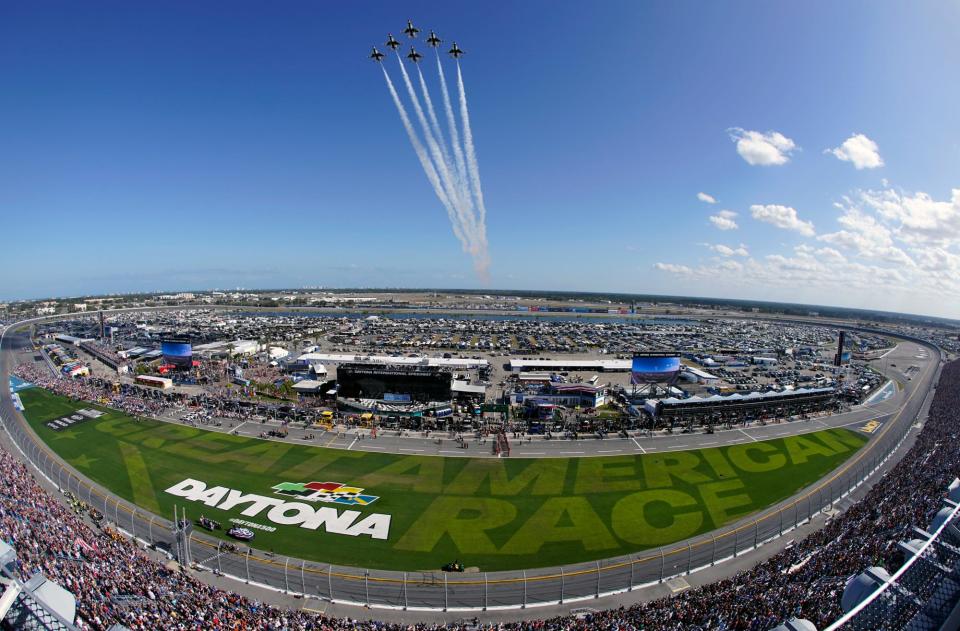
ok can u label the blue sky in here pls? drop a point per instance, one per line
(186, 145)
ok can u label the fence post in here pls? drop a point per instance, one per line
(713, 549)
(486, 601)
(562, 581)
(303, 580)
(445, 597)
(219, 569)
(632, 564)
(286, 579)
(598, 580)
(756, 534)
(133, 522)
(247, 564)
(524, 606)
(330, 582)
(780, 532)
(150, 532)
(661, 564)
(116, 514)
(736, 543)
(405, 591)
(689, 556)
(366, 585)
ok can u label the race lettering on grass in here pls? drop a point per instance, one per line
(403, 512)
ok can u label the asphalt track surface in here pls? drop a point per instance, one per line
(436, 591)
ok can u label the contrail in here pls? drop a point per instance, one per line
(434, 123)
(452, 124)
(474, 171)
(452, 193)
(425, 163)
(464, 205)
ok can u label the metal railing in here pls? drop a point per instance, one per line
(921, 594)
(26, 610)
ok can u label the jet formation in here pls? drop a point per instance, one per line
(449, 159)
(412, 32)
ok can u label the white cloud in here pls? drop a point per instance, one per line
(704, 197)
(892, 250)
(859, 150)
(865, 236)
(724, 220)
(673, 268)
(757, 148)
(726, 250)
(783, 217)
(830, 255)
(919, 219)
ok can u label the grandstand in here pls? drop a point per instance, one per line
(901, 578)
(740, 408)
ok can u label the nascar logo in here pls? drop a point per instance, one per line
(328, 492)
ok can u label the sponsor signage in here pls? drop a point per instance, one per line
(277, 511)
(329, 492)
(72, 419)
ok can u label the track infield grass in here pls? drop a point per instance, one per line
(495, 514)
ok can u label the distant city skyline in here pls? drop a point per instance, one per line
(790, 153)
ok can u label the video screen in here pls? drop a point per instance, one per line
(654, 369)
(177, 352)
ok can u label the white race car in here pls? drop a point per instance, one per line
(243, 534)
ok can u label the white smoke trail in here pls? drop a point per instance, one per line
(434, 123)
(426, 164)
(454, 134)
(452, 192)
(464, 205)
(484, 260)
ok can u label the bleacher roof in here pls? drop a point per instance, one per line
(573, 364)
(440, 362)
(750, 396)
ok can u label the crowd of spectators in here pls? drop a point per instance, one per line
(115, 581)
(92, 390)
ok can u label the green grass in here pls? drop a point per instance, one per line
(496, 514)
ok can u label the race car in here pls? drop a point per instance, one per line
(243, 534)
(455, 566)
(209, 524)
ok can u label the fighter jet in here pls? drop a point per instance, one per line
(455, 52)
(392, 44)
(411, 30)
(414, 56)
(376, 55)
(433, 40)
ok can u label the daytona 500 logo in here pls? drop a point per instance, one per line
(376, 526)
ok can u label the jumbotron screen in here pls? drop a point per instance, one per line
(398, 384)
(177, 352)
(654, 368)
